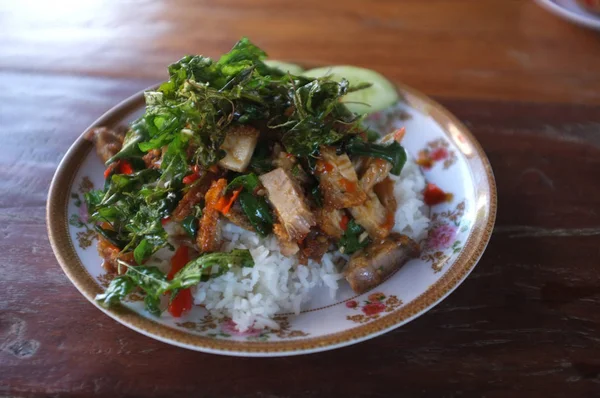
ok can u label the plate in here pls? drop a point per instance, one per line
(572, 11)
(458, 235)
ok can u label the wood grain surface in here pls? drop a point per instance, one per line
(525, 323)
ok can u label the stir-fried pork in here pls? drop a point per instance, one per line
(315, 245)
(289, 202)
(369, 267)
(236, 215)
(287, 246)
(330, 222)
(209, 234)
(373, 217)
(152, 159)
(338, 181)
(194, 195)
(111, 254)
(376, 170)
(239, 145)
(385, 193)
(108, 141)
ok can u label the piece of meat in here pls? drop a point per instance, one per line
(330, 222)
(315, 245)
(237, 216)
(238, 145)
(369, 267)
(385, 193)
(286, 245)
(289, 202)
(372, 216)
(289, 163)
(376, 170)
(110, 253)
(338, 181)
(152, 159)
(107, 141)
(209, 232)
(194, 195)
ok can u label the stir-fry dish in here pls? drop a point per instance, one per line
(243, 186)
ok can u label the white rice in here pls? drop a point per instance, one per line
(412, 213)
(277, 284)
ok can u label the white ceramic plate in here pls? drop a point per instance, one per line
(459, 233)
(572, 11)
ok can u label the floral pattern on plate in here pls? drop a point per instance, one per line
(445, 237)
(436, 151)
(372, 308)
(226, 329)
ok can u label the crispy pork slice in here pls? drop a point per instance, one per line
(385, 193)
(108, 141)
(110, 254)
(287, 246)
(289, 202)
(152, 159)
(209, 233)
(330, 222)
(376, 170)
(238, 145)
(315, 245)
(237, 216)
(373, 217)
(194, 195)
(338, 181)
(289, 163)
(369, 267)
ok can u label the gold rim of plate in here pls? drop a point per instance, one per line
(455, 131)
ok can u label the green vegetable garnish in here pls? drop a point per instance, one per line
(258, 212)
(393, 153)
(155, 284)
(249, 181)
(190, 225)
(350, 242)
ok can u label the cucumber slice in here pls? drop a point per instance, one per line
(285, 66)
(381, 95)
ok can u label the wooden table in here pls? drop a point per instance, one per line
(525, 323)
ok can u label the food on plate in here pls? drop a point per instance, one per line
(378, 93)
(244, 186)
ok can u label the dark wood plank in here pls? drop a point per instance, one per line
(525, 323)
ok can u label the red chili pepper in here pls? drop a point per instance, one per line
(125, 167)
(179, 260)
(349, 186)
(184, 300)
(107, 172)
(190, 178)
(433, 195)
(324, 167)
(399, 134)
(224, 204)
(344, 222)
(181, 303)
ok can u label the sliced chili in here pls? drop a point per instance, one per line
(125, 167)
(224, 204)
